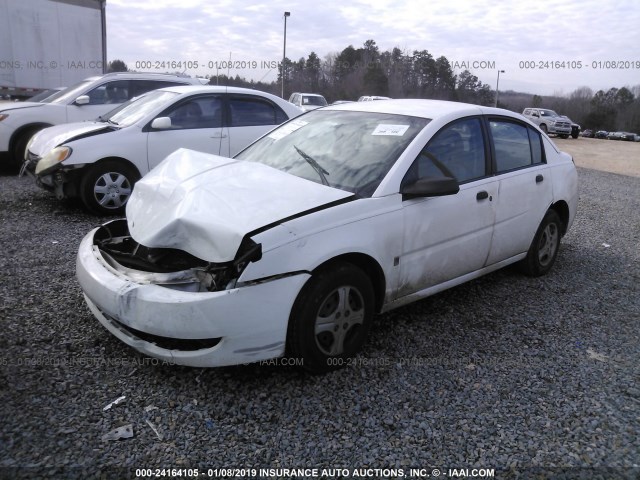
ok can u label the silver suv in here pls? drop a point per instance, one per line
(87, 100)
(549, 121)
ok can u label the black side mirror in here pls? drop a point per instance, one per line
(430, 187)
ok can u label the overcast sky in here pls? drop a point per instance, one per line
(597, 41)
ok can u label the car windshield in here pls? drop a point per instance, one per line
(352, 151)
(548, 113)
(45, 96)
(314, 100)
(70, 94)
(138, 108)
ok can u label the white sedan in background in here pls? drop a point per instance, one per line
(294, 244)
(100, 161)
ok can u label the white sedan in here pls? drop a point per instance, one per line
(100, 161)
(292, 246)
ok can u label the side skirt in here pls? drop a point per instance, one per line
(427, 292)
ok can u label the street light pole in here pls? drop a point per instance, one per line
(284, 50)
(498, 83)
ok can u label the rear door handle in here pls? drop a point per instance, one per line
(539, 178)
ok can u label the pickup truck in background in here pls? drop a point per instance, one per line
(549, 121)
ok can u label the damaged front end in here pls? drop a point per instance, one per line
(169, 267)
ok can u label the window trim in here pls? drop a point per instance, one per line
(184, 101)
(543, 155)
(226, 109)
(488, 163)
(500, 118)
(277, 109)
(104, 84)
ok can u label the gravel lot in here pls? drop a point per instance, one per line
(607, 155)
(531, 377)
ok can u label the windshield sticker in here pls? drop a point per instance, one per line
(395, 130)
(287, 129)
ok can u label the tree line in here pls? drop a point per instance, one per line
(354, 72)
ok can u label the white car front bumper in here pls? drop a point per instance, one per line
(201, 329)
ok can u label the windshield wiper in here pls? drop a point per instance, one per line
(316, 166)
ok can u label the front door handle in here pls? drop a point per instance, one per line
(482, 195)
(539, 178)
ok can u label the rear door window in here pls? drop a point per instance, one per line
(512, 144)
(246, 111)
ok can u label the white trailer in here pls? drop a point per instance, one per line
(50, 43)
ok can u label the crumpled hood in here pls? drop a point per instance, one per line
(51, 137)
(205, 204)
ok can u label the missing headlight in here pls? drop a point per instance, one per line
(170, 267)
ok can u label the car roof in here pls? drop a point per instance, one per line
(136, 74)
(215, 89)
(421, 108)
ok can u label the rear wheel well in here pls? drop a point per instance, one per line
(369, 266)
(562, 209)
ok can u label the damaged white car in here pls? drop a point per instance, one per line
(292, 246)
(101, 161)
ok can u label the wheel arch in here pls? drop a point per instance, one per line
(17, 135)
(117, 159)
(369, 266)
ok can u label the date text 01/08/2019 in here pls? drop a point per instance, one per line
(579, 64)
(212, 64)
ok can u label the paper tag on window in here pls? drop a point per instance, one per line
(395, 130)
(287, 129)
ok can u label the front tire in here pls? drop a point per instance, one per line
(107, 186)
(543, 127)
(544, 248)
(20, 150)
(330, 318)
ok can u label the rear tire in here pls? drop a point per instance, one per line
(544, 248)
(330, 318)
(106, 187)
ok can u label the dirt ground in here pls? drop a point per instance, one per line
(605, 155)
